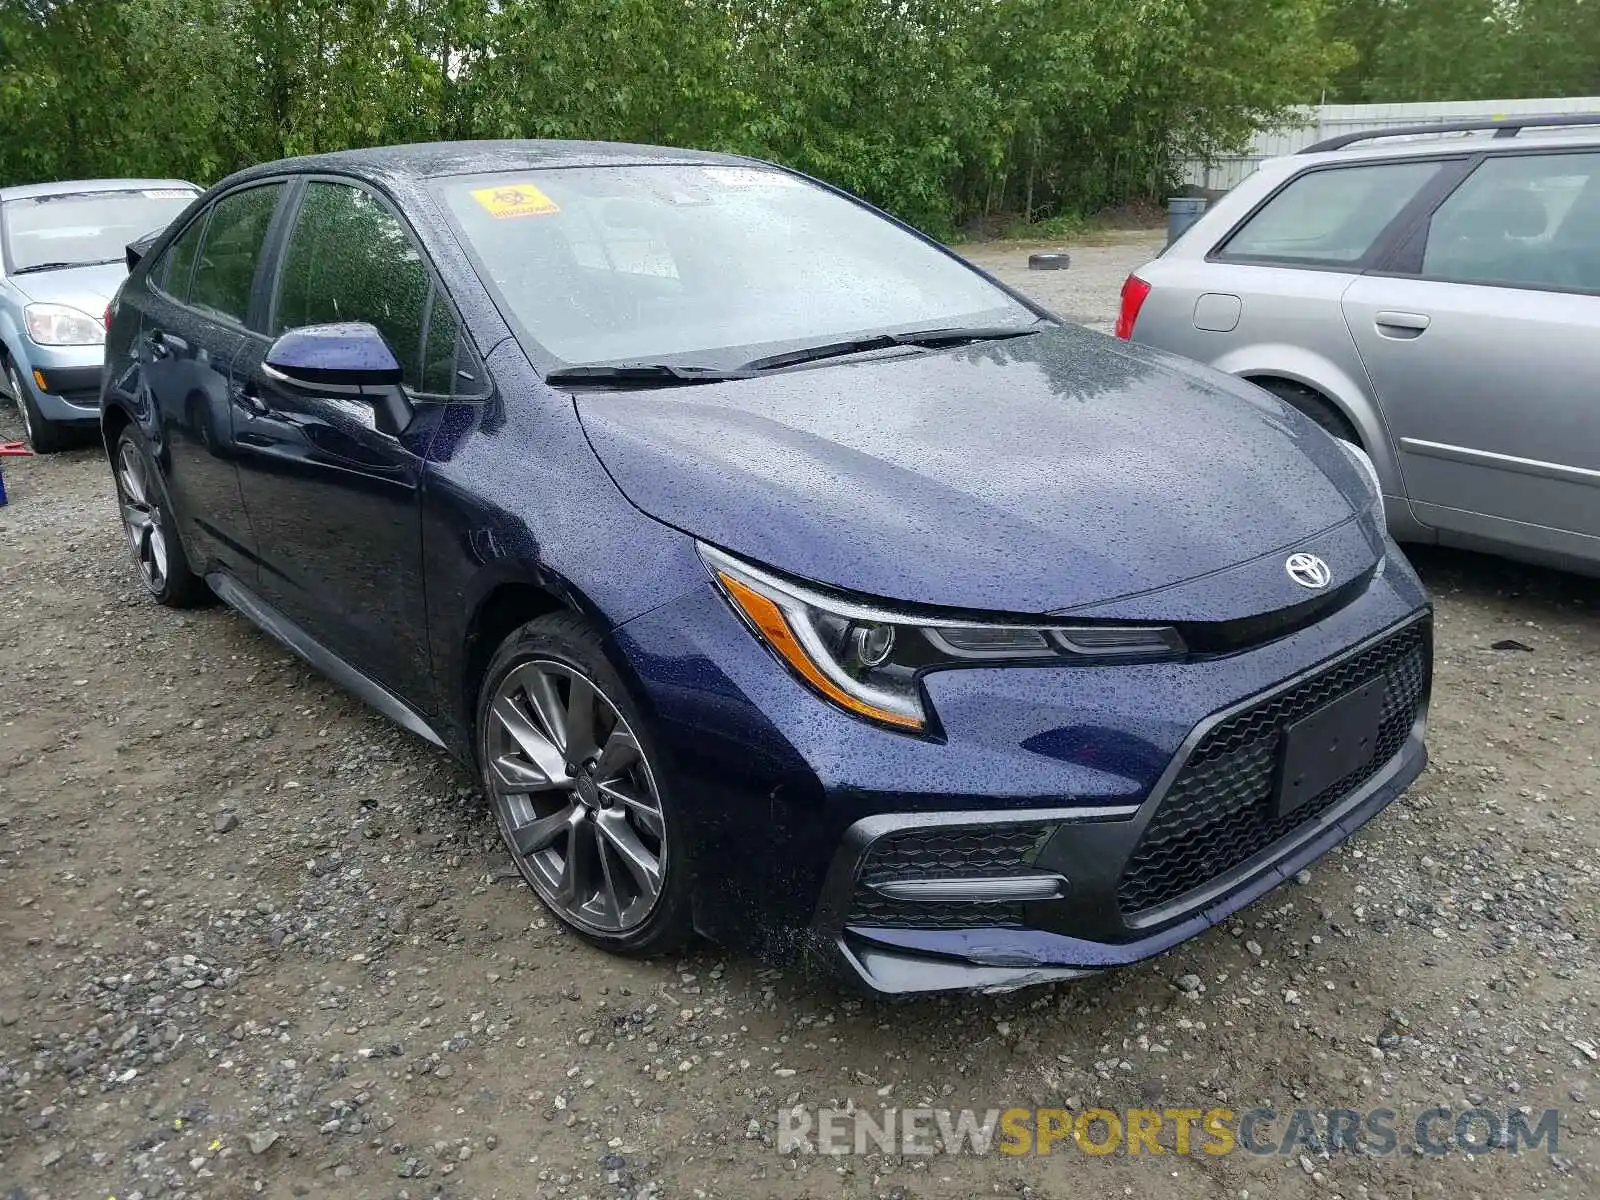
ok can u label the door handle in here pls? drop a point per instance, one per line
(1402, 325)
(165, 345)
(246, 397)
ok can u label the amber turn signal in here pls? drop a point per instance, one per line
(768, 620)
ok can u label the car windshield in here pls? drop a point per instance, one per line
(704, 263)
(76, 228)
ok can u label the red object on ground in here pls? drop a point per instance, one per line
(11, 450)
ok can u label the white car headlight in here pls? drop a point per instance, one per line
(62, 325)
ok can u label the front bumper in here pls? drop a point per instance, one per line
(995, 901)
(71, 375)
(1046, 778)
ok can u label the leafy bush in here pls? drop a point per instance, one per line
(940, 110)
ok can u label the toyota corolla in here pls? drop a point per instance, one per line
(782, 577)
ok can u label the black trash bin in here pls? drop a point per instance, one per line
(1182, 212)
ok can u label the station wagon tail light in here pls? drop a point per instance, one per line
(1134, 292)
(108, 318)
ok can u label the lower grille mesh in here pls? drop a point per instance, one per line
(945, 853)
(1217, 813)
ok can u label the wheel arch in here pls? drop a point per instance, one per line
(8, 354)
(1338, 388)
(10, 336)
(113, 420)
(1283, 388)
(504, 603)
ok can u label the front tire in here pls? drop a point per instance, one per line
(45, 437)
(150, 527)
(570, 766)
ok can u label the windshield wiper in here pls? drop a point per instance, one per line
(642, 374)
(51, 266)
(929, 339)
(61, 266)
(680, 374)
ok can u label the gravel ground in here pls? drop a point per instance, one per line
(258, 941)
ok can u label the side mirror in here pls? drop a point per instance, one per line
(350, 359)
(133, 253)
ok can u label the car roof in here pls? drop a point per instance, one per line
(1585, 137)
(428, 160)
(67, 187)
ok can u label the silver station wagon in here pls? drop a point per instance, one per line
(1432, 294)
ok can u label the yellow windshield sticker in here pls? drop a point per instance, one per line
(515, 200)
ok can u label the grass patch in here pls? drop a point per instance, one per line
(1063, 225)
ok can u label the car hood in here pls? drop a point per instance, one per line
(87, 288)
(1032, 475)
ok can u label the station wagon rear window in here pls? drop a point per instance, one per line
(1329, 216)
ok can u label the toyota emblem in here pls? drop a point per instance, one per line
(1308, 570)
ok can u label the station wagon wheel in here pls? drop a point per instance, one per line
(575, 793)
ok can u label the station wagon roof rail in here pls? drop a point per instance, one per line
(1505, 128)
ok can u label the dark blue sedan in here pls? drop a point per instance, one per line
(783, 577)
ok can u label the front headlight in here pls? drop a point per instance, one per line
(1368, 469)
(60, 325)
(868, 659)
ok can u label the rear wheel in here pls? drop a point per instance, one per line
(46, 437)
(569, 765)
(148, 523)
(1314, 405)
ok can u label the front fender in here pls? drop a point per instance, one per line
(125, 397)
(11, 336)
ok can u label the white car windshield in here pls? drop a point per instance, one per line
(703, 263)
(77, 228)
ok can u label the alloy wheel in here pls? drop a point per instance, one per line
(141, 516)
(576, 799)
(14, 382)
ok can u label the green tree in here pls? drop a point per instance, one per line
(940, 110)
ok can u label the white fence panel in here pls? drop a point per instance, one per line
(1312, 124)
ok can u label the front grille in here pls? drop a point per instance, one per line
(948, 852)
(1246, 633)
(1217, 813)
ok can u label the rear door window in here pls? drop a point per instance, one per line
(231, 250)
(172, 273)
(1528, 221)
(1329, 216)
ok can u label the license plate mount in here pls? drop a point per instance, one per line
(1320, 749)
